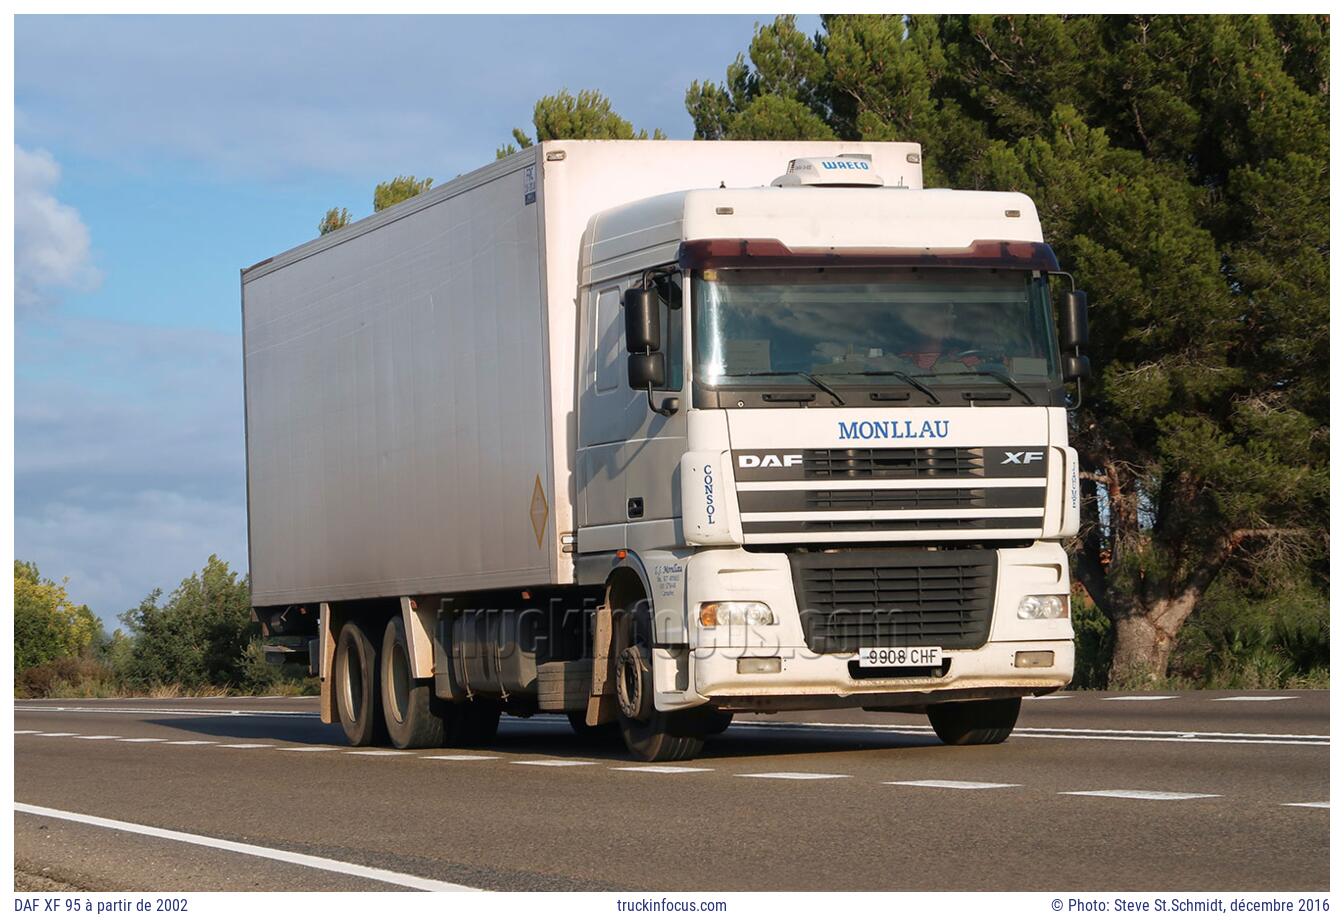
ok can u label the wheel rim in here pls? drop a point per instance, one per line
(352, 695)
(399, 675)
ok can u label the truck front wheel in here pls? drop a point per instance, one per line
(651, 735)
(979, 722)
(355, 676)
(413, 714)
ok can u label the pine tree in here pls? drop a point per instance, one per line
(1180, 165)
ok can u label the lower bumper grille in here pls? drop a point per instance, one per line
(854, 599)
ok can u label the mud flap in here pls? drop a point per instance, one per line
(602, 705)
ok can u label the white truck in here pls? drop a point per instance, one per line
(650, 433)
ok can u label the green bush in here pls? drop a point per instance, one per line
(67, 676)
(47, 625)
(198, 636)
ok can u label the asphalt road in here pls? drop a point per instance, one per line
(1192, 791)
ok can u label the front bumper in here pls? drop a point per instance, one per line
(804, 677)
(807, 679)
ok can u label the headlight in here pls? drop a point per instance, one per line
(736, 613)
(1043, 607)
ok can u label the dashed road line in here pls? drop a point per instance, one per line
(202, 742)
(1072, 734)
(1138, 699)
(1307, 804)
(246, 746)
(1252, 699)
(379, 753)
(1047, 697)
(26, 731)
(657, 768)
(1145, 794)
(308, 748)
(951, 784)
(553, 763)
(795, 775)
(114, 738)
(461, 757)
(140, 740)
(58, 734)
(399, 879)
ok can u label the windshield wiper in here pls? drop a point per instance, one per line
(900, 375)
(810, 378)
(1002, 377)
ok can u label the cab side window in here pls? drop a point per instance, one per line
(669, 292)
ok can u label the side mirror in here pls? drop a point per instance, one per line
(643, 323)
(647, 370)
(1073, 320)
(1076, 367)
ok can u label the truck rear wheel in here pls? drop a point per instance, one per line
(979, 722)
(355, 676)
(413, 715)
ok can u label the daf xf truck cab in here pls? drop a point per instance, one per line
(653, 433)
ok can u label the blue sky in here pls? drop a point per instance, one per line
(156, 156)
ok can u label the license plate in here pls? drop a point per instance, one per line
(902, 657)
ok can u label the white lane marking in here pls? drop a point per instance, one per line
(795, 775)
(461, 757)
(299, 859)
(164, 711)
(247, 746)
(1145, 794)
(1307, 804)
(1137, 699)
(57, 734)
(379, 753)
(26, 731)
(139, 740)
(311, 747)
(1252, 699)
(950, 784)
(1048, 696)
(554, 763)
(109, 738)
(199, 742)
(1082, 734)
(656, 768)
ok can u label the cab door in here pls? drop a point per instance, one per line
(629, 455)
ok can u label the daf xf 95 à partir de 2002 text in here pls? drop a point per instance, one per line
(650, 433)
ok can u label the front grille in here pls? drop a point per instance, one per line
(908, 499)
(884, 525)
(893, 462)
(877, 598)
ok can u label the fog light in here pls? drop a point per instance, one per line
(758, 665)
(736, 613)
(1034, 660)
(1043, 607)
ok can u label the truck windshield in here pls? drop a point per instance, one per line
(929, 325)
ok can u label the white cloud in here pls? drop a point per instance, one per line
(51, 243)
(128, 455)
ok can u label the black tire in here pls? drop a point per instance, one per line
(413, 715)
(665, 736)
(356, 680)
(477, 723)
(980, 722)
